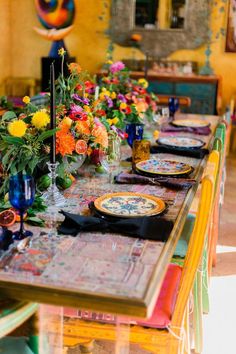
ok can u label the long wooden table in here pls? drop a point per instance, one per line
(102, 272)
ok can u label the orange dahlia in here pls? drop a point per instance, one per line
(65, 142)
(100, 134)
(83, 127)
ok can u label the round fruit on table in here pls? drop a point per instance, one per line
(7, 218)
(64, 183)
(43, 182)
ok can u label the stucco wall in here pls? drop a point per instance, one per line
(22, 48)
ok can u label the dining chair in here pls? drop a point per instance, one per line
(14, 313)
(221, 135)
(200, 289)
(184, 101)
(19, 86)
(167, 330)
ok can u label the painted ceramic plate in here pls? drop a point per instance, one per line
(193, 123)
(180, 142)
(129, 205)
(163, 167)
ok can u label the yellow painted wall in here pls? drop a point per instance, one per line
(88, 42)
(5, 56)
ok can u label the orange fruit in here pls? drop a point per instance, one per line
(81, 147)
(7, 218)
(71, 177)
(18, 214)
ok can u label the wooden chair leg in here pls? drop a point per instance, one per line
(205, 283)
(197, 312)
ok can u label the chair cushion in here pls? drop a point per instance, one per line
(161, 316)
(10, 345)
(182, 245)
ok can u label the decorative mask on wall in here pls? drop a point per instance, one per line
(57, 17)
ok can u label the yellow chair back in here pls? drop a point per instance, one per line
(197, 239)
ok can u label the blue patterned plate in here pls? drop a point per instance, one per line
(192, 123)
(181, 142)
(163, 167)
(129, 205)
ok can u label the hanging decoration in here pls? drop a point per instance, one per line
(57, 17)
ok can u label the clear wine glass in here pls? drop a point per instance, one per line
(110, 160)
(21, 196)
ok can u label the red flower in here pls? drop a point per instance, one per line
(89, 86)
(115, 81)
(140, 90)
(100, 112)
(79, 87)
(126, 110)
(78, 116)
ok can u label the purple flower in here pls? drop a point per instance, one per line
(118, 131)
(121, 98)
(76, 109)
(117, 66)
(80, 99)
(109, 101)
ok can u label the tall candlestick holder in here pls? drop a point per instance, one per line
(52, 196)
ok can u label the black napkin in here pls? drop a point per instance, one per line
(169, 182)
(196, 153)
(151, 228)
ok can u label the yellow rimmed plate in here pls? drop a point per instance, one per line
(192, 123)
(163, 167)
(129, 205)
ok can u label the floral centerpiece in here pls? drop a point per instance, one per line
(23, 141)
(81, 132)
(122, 99)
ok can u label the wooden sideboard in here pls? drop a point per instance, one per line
(204, 91)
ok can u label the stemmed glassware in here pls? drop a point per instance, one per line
(21, 197)
(110, 159)
(173, 105)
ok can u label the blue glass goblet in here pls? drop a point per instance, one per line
(173, 105)
(134, 131)
(21, 196)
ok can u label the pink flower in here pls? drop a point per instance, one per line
(117, 66)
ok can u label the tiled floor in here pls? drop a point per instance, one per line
(220, 323)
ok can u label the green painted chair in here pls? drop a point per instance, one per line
(13, 314)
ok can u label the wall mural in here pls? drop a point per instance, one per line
(57, 17)
(231, 28)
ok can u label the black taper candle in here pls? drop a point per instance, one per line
(52, 114)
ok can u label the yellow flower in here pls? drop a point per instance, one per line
(87, 108)
(40, 119)
(113, 95)
(67, 121)
(115, 120)
(61, 52)
(104, 93)
(123, 105)
(26, 99)
(109, 62)
(143, 83)
(156, 134)
(17, 128)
